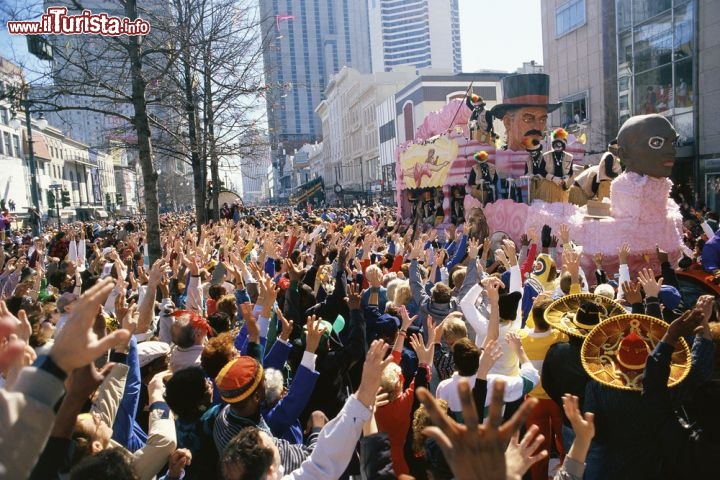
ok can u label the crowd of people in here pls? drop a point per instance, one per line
(343, 342)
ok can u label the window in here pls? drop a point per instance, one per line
(644, 9)
(623, 9)
(16, 142)
(575, 109)
(653, 91)
(409, 121)
(623, 103)
(8, 145)
(4, 115)
(569, 16)
(387, 131)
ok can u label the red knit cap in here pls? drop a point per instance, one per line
(239, 379)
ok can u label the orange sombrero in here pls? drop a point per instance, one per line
(614, 352)
(577, 314)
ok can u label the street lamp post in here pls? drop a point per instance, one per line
(34, 188)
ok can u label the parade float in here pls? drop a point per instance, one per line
(434, 168)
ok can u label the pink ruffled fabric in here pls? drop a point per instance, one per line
(643, 215)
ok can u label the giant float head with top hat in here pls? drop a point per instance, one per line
(525, 107)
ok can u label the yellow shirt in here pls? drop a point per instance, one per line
(536, 345)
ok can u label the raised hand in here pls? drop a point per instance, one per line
(493, 285)
(295, 272)
(129, 320)
(287, 325)
(520, 455)
(583, 425)
(631, 291)
(598, 259)
(490, 355)
(650, 286)
(510, 251)
(375, 362)
(513, 340)
(417, 250)
(624, 253)
(157, 272)
(405, 318)
(571, 263)
(564, 234)
(502, 258)
(524, 240)
(77, 345)
(487, 244)
(354, 296)
(315, 330)
(532, 236)
(662, 255)
(474, 451)
(424, 352)
(473, 248)
(689, 323)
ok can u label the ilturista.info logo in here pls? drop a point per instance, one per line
(57, 22)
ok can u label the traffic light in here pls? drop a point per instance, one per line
(107, 199)
(210, 189)
(65, 198)
(118, 199)
(50, 200)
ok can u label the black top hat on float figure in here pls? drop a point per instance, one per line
(524, 90)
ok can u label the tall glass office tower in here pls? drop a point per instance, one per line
(418, 33)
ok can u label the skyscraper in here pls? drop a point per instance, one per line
(305, 42)
(418, 33)
(612, 59)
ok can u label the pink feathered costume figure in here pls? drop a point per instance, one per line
(642, 212)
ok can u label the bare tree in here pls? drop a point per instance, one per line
(110, 75)
(218, 80)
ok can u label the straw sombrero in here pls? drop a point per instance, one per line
(614, 352)
(577, 314)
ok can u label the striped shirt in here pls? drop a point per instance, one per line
(228, 424)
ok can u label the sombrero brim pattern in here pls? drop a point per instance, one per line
(599, 352)
(561, 313)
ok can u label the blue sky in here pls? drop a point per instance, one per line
(494, 35)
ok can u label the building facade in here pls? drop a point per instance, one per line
(579, 55)
(15, 166)
(612, 59)
(431, 92)
(255, 177)
(351, 155)
(306, 42)
(417, 33)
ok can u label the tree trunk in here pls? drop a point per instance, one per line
(210, 119)
(197, 164)
(142, 127)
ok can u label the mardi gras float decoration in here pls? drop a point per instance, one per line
(636, 209)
